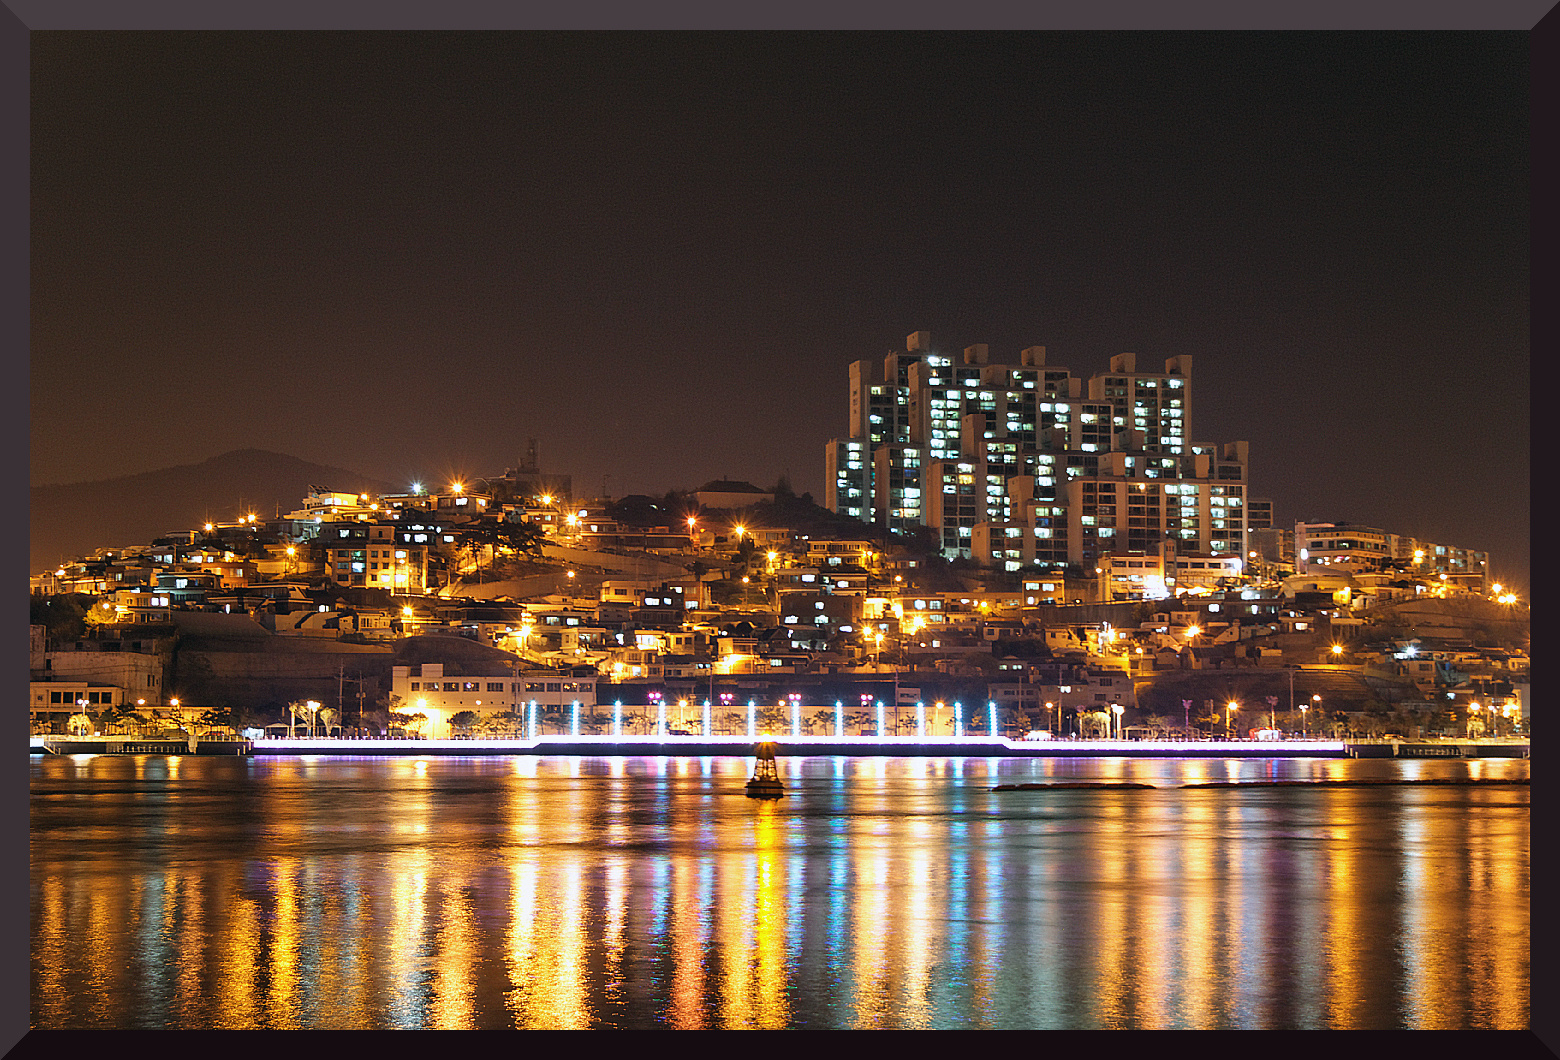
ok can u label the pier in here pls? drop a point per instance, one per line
(135, 745)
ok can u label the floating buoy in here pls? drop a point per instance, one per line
(766, 778)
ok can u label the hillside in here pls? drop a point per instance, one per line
(67, 521)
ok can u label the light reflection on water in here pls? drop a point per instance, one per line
(881, 893)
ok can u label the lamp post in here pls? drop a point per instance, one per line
(1229, 719)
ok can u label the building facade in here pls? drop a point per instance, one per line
(1358, 549)
(1026, 464)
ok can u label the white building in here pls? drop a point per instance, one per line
(429, 690)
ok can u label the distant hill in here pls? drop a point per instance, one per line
(69, 521)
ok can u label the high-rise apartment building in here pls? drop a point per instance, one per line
(1027, 464)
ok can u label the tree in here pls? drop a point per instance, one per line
(62, 616)
(100, 616)
(503, 725)
(215, 718)
(1094, 724)
(746, 550)
(524, 538)
(462, 721)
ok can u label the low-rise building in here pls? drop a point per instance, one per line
(1353, 548)
(383, 554)
(439, 691)
(1056, 690)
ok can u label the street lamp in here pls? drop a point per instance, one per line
(1229, 717)
(1117, 709)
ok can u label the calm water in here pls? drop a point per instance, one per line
(882, 893)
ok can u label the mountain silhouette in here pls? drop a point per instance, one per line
(70, 521)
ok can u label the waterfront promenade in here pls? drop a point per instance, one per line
(803, 746)
(809, 746)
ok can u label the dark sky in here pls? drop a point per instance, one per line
(657, 254)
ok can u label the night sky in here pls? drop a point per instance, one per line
(408, 253)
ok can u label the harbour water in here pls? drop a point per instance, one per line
(578, 892)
